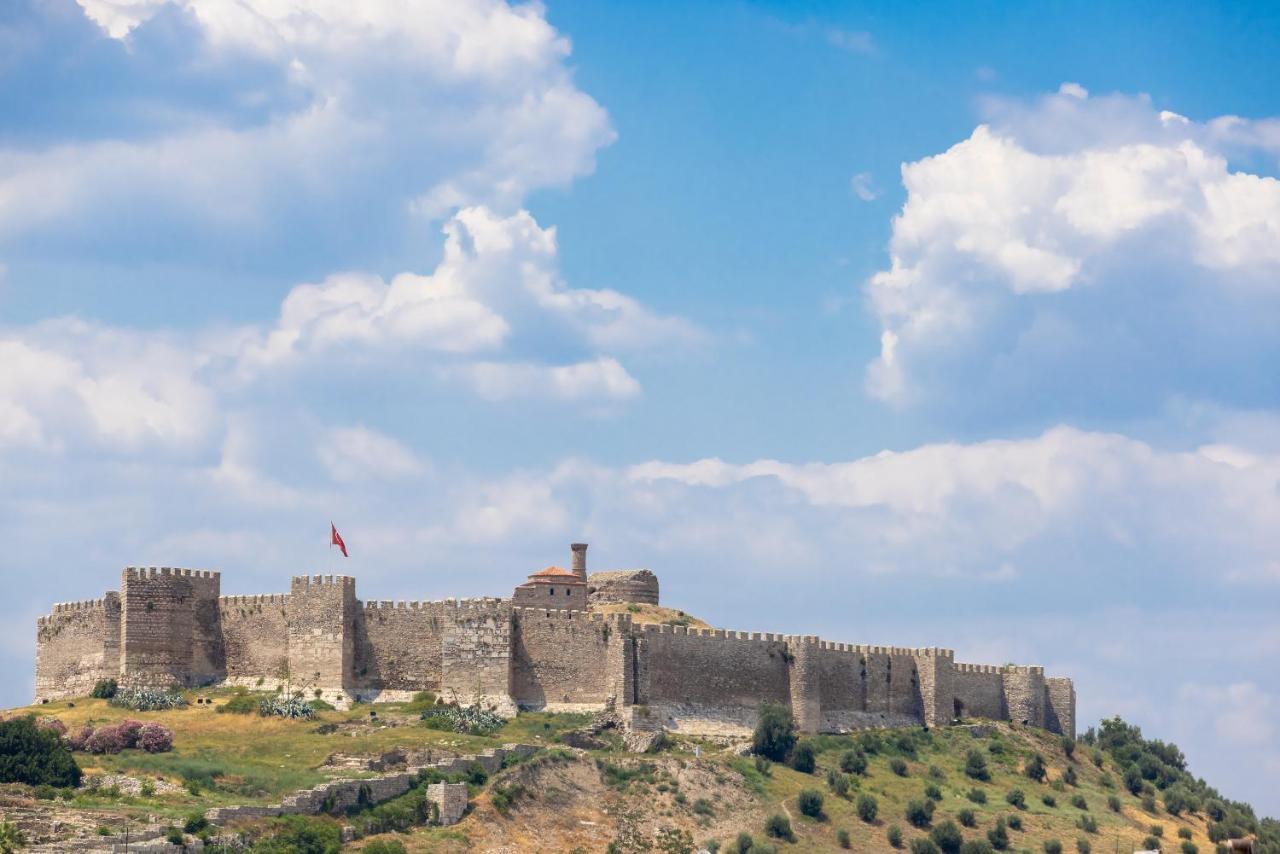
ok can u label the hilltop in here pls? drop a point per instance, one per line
(586, 792)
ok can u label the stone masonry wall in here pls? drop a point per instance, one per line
(1060, 706)
(475, 649)
(255, 636)
(168, 627)
(1024, 695)
(76, 645)
(559, 658)
(398, 645)
(980, 690)
(321, 631)
(712, 668)
(623, 585)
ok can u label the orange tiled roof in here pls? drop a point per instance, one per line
(554, 571)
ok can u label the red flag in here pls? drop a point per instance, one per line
(335, 539)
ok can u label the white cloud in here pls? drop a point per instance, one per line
(602, 378)
(1064, 245)
(383, 107)
(864, 187)
(358, 453)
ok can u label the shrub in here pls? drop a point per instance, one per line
(1189, 847)
(1087, 823)
(1069, 776)
(1035, 768)
(743, 843)
(976, 846)
(105, 739)
(1177, 800)
(1133, 780)
(977, 796)
(1151, 844)
(779, 827)
(1052, 846)
(919, 813)
(1096, 756)
(147, 699)
(1113, 803)
(898, 767)
(764, 766)
(1017, 798)
(998, 836)
(174, 836)
(240, 703)
(1069, 746)
(1015, 822)
(867, 808)
(384, 846)
(702, 806)
(195, 823)
(155, 738)
(293, 834)
(975, 765)
(1079, 802)
(870, 742)
(803, 758)
(104, 689)
(1149, 804)
(472, 719)
(967, 817)
(810, 802)
(775, 733)
(923, 846)
(1184, 833)
(894, 836)
(936, 773)
(947, 837)
(1083, 846)
(842, 838)
(838, 782)
(53, 725)
(853, 762)
(1157, 830)
(1049, 800)
(932, 792)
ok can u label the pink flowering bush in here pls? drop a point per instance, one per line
(155, 738)
(104, 739)
(52, 724)
(78, 740)
(129, 731)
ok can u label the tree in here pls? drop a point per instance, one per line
(803, 758)
(975, 766)
(775, 733)
(810, 802)
(35, 756)
(947, 837)
(1035, 768)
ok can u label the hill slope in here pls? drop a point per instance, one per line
(694, 791)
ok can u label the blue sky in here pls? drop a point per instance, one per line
(939, 325)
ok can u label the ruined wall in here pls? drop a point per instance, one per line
(475, 648)
(321, 631)
(170, 627)
(1060, 706)
(559, 657)
(398, 645)
(255, 636)
(76, 645)
(623, 585)
(979, 688)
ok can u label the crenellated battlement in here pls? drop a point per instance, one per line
(170, 624)
(141, 573)
(344, 581)
(255, 599)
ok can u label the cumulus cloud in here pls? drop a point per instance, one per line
(1079, 253)
(359, 453)
(386, 107)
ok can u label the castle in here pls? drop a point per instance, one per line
(543, 648)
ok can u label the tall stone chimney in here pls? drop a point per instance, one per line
(579, 560)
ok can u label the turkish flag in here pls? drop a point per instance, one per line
(335, 539)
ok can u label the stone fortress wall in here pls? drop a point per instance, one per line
(169, 626)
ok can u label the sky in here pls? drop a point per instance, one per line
(923, 324)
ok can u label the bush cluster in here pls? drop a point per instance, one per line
(286, 707)
(151, 737)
